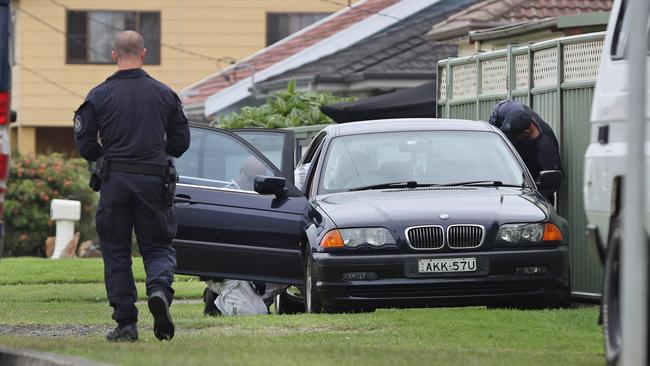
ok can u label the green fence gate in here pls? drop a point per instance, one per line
(556, 78)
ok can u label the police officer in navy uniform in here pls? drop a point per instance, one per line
(130, 124)
(533, 138)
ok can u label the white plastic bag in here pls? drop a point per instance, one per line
(237, 298)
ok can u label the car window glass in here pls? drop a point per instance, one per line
(269, 144)
(299, 175)
(427, 157)
(219, 160)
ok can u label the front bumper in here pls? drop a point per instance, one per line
(397, 284)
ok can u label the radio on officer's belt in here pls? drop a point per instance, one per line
(169, 183)
(98, 171)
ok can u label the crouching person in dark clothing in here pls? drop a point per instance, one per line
(140, 121)
(535, 142)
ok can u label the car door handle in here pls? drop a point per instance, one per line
(182, 200)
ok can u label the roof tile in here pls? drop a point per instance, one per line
(494, 13)
(200, 92)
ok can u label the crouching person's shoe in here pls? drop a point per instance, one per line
(163, 326)
(209, 308)
(126, 333)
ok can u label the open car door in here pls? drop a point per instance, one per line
(225, 228)
(279, 146)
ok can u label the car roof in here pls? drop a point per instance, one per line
(408, 124)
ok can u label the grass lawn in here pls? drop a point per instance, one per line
(60, 306)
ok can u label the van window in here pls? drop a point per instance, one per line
(622, 33)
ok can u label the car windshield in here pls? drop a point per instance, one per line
(418, 157)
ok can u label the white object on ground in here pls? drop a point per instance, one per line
(65, 213)
(237, 298)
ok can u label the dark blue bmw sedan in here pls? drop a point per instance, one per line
(388, 213)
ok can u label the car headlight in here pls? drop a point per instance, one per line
(352, 238)
(529, 233)
(516, 233)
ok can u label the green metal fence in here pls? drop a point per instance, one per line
(556, 78)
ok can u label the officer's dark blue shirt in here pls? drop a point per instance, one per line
(139, 120)
(504, 107)
(539, 154)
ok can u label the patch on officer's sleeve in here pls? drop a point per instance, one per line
(78, 122)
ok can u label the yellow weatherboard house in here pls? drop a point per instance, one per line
(62, 49)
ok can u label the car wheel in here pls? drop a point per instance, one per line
(312, 301)
(610, 304)
(288, 304)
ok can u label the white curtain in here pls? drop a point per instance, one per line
(103, 26)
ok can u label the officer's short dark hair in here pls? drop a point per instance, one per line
(128, 43)
(516, 122)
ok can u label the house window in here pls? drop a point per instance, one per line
(90, 34)
(280, 25)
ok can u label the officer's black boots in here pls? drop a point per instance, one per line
(125, 333)
(209, 308)
(163, 326)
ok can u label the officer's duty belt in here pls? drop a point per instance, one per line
(135, 168)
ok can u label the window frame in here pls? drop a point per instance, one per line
(73, 61)
(272, 13)
(621, 19)
(183, 179)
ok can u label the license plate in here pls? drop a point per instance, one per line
(447, 265)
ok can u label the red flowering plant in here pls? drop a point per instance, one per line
(34, 181)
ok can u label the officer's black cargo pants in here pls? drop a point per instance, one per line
(128, 202)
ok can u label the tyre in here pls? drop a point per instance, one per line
(288, 304)
(610, 303)
(312, 301)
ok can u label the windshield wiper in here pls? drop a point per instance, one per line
(483, 183)
(407, 184)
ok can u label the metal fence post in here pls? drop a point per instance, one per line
(479, 86)
(510, 72)
(531, 79)
(448, 86)
(560, 106)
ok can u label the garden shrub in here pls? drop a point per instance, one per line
(290, 108)
(33, 182)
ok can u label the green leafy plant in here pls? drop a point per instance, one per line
(290, 108)
(33, 182)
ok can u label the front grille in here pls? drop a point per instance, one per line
(426, 237)
(465, 236)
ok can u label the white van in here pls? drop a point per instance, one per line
(604, 168)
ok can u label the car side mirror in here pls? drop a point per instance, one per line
(549, 180)
(270, 185)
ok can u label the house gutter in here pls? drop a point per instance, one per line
(513, 30)
(340, 40)
(343, 82)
